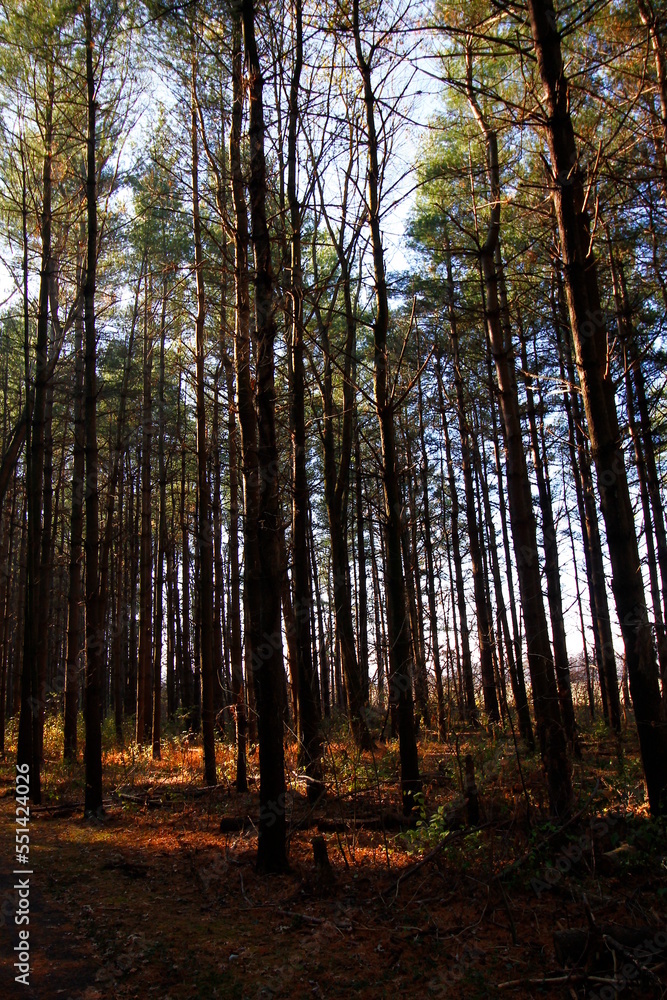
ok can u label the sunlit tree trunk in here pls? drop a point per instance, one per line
(204, 529)
(590, 341)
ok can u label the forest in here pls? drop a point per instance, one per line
(332, 462)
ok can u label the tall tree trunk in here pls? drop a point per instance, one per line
(362, 638)
(144, 686)
(642, 432)
(516, 675)
(397, 617)
(185, 679)
(474, 526)
(468, 699)
(550, 732)
(551, 565)
(588, 518)
(173, 621)
(220, 689)
(94, 623)
(133, 536)
(75, 552)
(29, 735)
(117, 628)
(309, 710)
(650, 19)
(577, 589)
(377, 609)
(430, 568)
(246, 406)
(513, 642)
(413, 587)
(162, 534)
(204, 530)
(235, 647)
(324, 660)
(268, 672)
(590, 341)
(336, 489)
(627, 337)
(46, 568)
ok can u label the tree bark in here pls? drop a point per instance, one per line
(589, 335)
(244, 390)
(94, 623)
(29, 735)
(144, 687)
(162, 534)
(75, 552)
(550, 732)
(583, 479)
(468, 694)
(397, 615)
(474, 527)
(267, 659)
(235, 647)
(551, 565)
(204, 529)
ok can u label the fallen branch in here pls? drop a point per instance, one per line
(544, 981)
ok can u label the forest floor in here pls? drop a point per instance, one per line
(153, 900)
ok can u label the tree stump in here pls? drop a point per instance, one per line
(325, 875)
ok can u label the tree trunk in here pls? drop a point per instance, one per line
(397, 618)
(324, 660)
(76, 537)
(185, 679)
(204, 530)
(513, 642)
(94, 623)
(309, 714)
(627, 338)
(235, 647)
(362, 638)
(246, 406)
(551, 565)
(650, 19)
(29, 735)
(474, 528)
(467, 701)
(430, 570)
(162, 535)
(589, 335)
(144, 686)
(583, 479)
(413, 588)
(550, 732)
(336, 487)
(267, 659)
(133, 535)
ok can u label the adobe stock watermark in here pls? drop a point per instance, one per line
(572, 853)
(449, 980)
(633, 968)
(22, 875)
